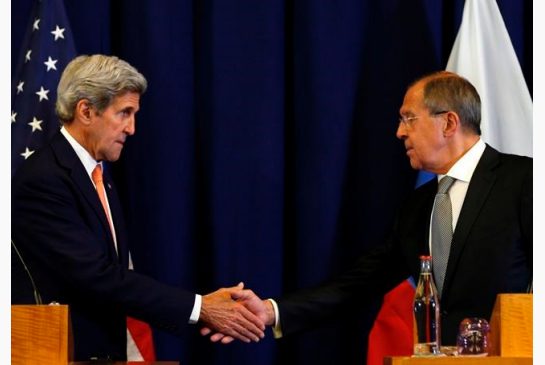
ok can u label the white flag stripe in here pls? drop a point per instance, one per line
(133, 352)
(483, 53)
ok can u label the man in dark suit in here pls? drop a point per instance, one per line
(491, 204)
(67, 224)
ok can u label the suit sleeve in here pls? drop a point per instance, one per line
(57, 233)
(374, 273)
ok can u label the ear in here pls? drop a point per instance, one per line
(452, 124)
(84, 111)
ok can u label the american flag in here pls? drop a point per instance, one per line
(47, 48)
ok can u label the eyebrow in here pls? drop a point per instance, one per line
(128, 109)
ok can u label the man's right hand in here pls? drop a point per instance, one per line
(221, 314)
(263, 309)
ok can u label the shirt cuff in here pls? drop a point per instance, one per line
(277, 329)
(195, 313)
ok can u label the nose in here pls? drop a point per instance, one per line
(401, 132)
(130, 128)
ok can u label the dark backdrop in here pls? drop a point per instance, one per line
(265, 149)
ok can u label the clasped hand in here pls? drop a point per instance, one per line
(235, 313)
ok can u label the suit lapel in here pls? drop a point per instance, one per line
(68, 159)
(481, 183)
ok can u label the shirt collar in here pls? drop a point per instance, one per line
(85, 157)
(463, 168)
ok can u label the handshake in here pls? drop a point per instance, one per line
(235, 313)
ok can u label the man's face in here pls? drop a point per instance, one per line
(109, 129)
(422, 133)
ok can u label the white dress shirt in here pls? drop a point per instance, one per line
(462, 171)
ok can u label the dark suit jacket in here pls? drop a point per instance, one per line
(60, 228)
(491, 251)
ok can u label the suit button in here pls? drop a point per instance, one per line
(444, 313)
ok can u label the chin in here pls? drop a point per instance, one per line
(113, 157)
(416, 165)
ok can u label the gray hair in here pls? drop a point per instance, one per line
(447, 91)
(98, 79)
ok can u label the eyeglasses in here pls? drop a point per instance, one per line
(405, 120)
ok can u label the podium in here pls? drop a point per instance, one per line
(511, 337)
(511, 325)
(128, 363)
(40, 334)
(458, 360)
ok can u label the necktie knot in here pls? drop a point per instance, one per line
(445, 184)
(97, 174)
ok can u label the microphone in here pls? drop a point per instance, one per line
(37, 297)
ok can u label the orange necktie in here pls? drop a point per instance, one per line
(99, 183)
(140, 331)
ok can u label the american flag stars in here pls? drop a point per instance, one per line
(58, 33)
(48, 49)
(36, 124)
(50, 63)
(42, 93)
(27, 153)
(20, 87)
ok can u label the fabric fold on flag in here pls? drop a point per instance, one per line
(483, 53)
(140, 346)
(392, 331)
(139, 341)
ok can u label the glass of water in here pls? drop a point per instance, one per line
(473, 338)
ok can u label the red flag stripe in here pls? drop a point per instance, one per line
(142, 336)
